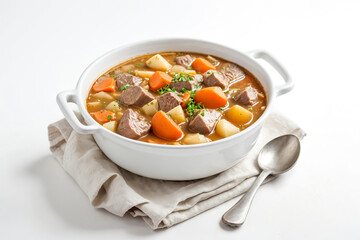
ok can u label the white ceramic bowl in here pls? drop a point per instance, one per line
(172, 162)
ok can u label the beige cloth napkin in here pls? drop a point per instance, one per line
(160, 203)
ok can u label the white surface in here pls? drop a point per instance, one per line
(44, 46)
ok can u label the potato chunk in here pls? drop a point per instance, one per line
(157, 62)
(113, 106)
(151, 108)
(177, 114)
(110, 125)
(195, 138)
(225, 129)
(103, 95)
(144, 74)
(239, 115)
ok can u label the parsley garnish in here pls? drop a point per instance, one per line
(184, 90)
(227, 91)
(202, 113)
(221, 108)
(180, 77)
(113, 76)
(139, 64)
(250, 109)
(125, 86)
(192, 106)
(166, 89)
(189, 68)
(109, 117)
(198, 86)
(130, 72)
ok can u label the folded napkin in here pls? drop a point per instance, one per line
(160, 203)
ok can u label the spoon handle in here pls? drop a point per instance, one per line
(236, 215)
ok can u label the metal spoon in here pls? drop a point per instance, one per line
(276, 157)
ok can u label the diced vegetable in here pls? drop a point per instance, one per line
(213, 60)
(177, 114)
(151, 108)
(186, 98)
(211, 97)
(157, 62)
(239, 115)
(190, 72)
(93, 104)
(110, 125)
(103, 96)
(113, 106)
(195, 138)
(105, 85)
(144, 74)
(202, 65)
(119, 115)
(177, 69)
(226, 129)
(104, 116)
(159, 80)
(115, 95)
(164, 127)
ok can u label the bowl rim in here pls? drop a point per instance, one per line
(87, 116)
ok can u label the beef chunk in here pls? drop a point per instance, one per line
(232, 72)
(135, 96)
(213, 78)
(204, 122)
(124, 78)
(133, 125)
(184, 60)
(189, 85)
(168, 101)
(246, 97)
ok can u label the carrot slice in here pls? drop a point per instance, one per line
(159, 80)
(186, 98)
(211, 97)
(104, 116)
(164, 127)
(105, 85)
(202, 65)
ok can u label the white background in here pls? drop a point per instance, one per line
(45, 45)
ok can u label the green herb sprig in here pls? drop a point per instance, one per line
(181, 77)
(125, 87)
(166, 89)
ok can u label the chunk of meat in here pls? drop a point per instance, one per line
(213, 78)
(184, 60)
(248, 96)
(204, 122)
(135, 96)
(168, 101)
(133, 125)
(232, 72)
(189, 85)
(125, 78)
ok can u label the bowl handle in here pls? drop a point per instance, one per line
(280, 89)
(63, 100)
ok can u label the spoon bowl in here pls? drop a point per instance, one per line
(276, 157)
(280, 154)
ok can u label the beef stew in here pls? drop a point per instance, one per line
(176, 98)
